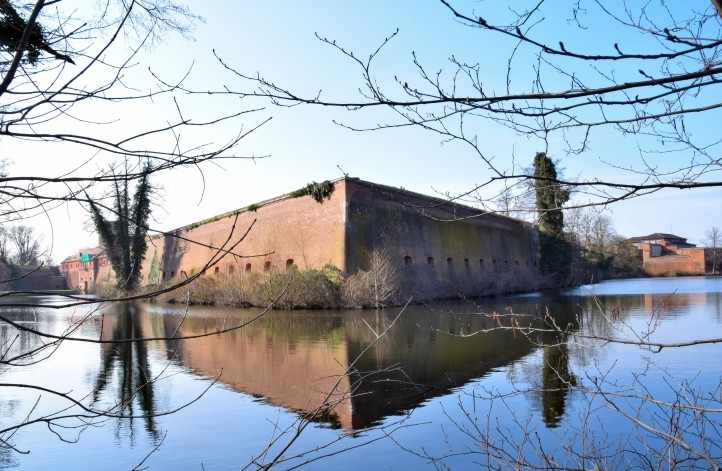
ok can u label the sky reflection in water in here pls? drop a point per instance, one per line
(426, 373)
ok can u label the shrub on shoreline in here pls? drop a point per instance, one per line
(324, 288)
(292, 289)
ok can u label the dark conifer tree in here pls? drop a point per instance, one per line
(554, 252)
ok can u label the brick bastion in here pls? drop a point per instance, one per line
(441, 249)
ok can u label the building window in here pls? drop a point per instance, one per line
(481, 263)
(172, 274)
(216, 269)
(449, 261)
(267, 266)
(430, 260)
(248, 267)
(466, 263)
(289, 264)
(407, 260)
(231, 269)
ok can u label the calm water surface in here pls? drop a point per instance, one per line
(424, 379)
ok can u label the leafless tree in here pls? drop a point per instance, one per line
(714, 240)
(66, 66)
(674, 430)
(655, 95)
(384, 276)
(376, 287)
(60, 67)
(26, 246)
(4, 244)
(653, 85)
(590, 227)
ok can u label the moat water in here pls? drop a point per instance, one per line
(441, 377)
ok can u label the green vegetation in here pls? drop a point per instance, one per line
(583, 247)
(550, 196)
(554, 252)
(154, 275)
(124, 239)
(317, 191)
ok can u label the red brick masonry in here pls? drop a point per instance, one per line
(442, 249)
(670, 255)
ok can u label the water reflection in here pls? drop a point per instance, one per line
(296, 359)
(557, 380)
(127, 364)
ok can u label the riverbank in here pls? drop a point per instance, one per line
(384, 284)
(326, 288)
(41, 292)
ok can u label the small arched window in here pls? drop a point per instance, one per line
(430, 260)
(248, 267)
(408, 260)
(289, 264)
(481, 263)
(267, 266)
(449, 261)
(216, 270)
(231, 269)
(466, 263)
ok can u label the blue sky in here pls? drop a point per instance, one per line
(277, 39)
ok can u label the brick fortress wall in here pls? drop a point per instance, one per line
(441, 249)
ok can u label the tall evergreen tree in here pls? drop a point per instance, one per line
(554, 252)
(124, 238)
(550, 196)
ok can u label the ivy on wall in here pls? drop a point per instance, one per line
(317, 191)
